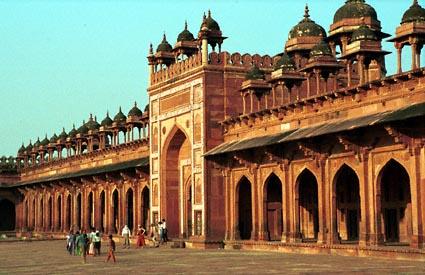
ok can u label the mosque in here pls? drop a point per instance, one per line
(311, 150)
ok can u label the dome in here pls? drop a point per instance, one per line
(321, 49)
(45, 141)
(37, 143)
(120, 117)
(136, 112)
(164, 46)
(254, 73)
(306, 27)
(107, 121)
(285, 62)
(63, 135)
(414, 14)
(211, 23)
(83, 129)
(363, 33)
(73, 132)
(29, 147)
(147, 108)
(92, 124)
(355, 9)
(54, 138)
(185, 35)
(22, 149)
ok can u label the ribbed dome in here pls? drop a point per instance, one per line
(83, 129)
(45, 141)
(363, 33)
(135, 112)
(414, 14)
(63, 135)
(211, 23)
(306, 27)
(254, 73)
(164, 46)
(73, 132)
(107, 121)
(285, 62)
(54, 138)
(355, 9)
(92, 124)
(321, 49)
(185, 35)
(120, 117)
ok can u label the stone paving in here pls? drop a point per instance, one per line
(50, 257)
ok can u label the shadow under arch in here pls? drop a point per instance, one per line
(244, 207)
(394, 197)
(273, 207)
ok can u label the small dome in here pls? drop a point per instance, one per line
(73, 132)
(22, 149)
(45, 141)
(83, 129)
(147, 108)
(107, 121)
(285, 62)
(321, 49)
(135, 112)
(185, 35)
(120, 117)
(54, 138)
(414, 14)
(37, 143)
(63, 135)
(355, 9)
(306, 27)
(211, 23)
(363, 33)
(29, 147)
(92, 124)
(254, 73)
(164, 46)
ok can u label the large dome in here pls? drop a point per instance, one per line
(414, 14)
(306, 27)
(355, 9)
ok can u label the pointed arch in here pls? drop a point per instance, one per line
(244, 207)
(273, 207)
(102, 210)
(115, 211)
(346, 204)
(129, 209)
(145, 207)
(307, 213)
(394, 196)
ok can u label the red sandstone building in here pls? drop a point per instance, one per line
(314, 148)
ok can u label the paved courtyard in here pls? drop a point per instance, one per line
(50, 257)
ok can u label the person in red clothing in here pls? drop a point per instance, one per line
(140, 237)
(111, 252)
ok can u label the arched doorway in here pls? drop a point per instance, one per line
(59, 212)
(177, 167)
(90, 208)
(129, 209)
(115, 211)
(68, 212)
(396, 208)
(244, 206)
(273, 208)
(145, 207)
(347, 199)
(102, 211)
(307, 208)
(7, 215)
(78, 210)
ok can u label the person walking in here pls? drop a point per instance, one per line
(164, 230)
(126, 234)
(97, 243)
(140, 237)
(71, 243)
(111, 250)
(82, 243)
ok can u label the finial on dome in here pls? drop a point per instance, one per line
(135, 104)
(209, 13)
(415, 2)
(185, 25)
(150, 49)
(164, 38)
(306, 11)
(91, 117)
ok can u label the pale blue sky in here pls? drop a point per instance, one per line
(62, 60)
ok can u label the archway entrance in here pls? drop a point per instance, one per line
(129, 208)
(7, 215)
(308, 216)
(396, 212)
(145, 207)
(115, 211)
(347, 204)
(244, 202)
(177, 170)
(273, 207)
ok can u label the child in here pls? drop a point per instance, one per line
(111, 249)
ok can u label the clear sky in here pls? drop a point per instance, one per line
(61, 60)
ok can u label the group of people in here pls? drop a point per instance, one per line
(89, 244)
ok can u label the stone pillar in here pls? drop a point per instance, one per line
(399, 48)
(417, 169)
